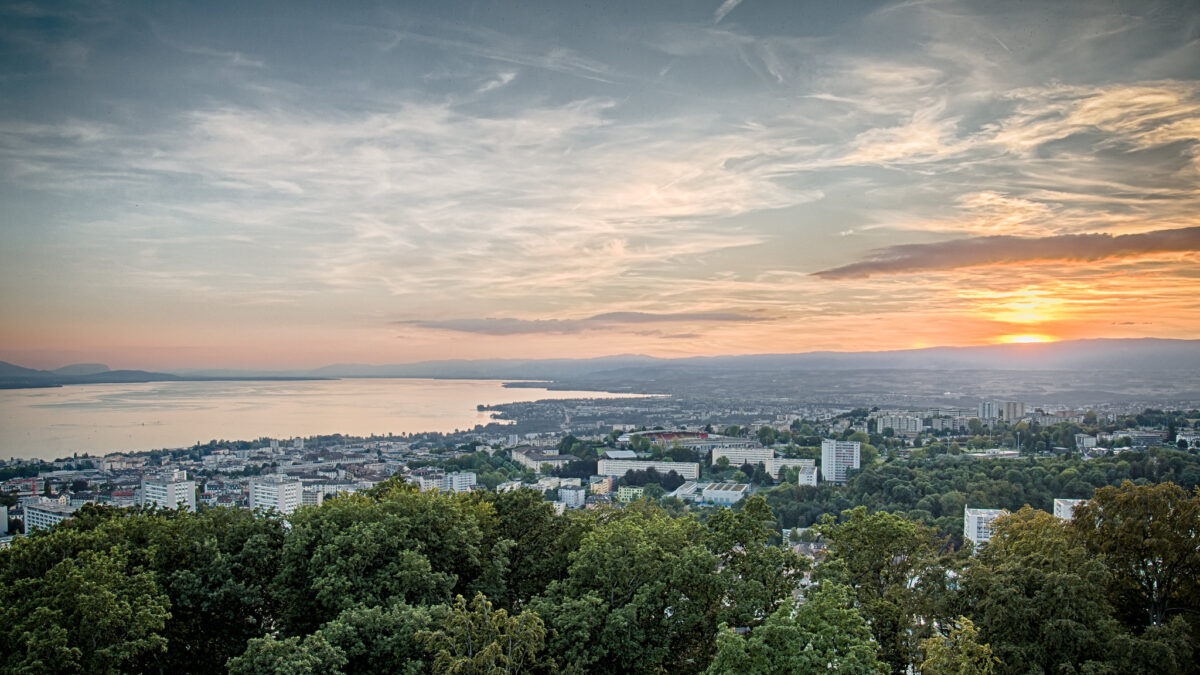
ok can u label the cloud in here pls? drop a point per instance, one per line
(958, 253)
(606, 321)
(725, 8)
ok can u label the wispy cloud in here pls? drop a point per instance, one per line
(959, 253)
(606, 321)
(725, 8)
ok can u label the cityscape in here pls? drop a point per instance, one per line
(495, 337)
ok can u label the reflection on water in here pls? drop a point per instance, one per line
(101, 418)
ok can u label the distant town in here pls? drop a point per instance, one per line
(579, 458)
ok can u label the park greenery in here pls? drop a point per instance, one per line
(397, 580)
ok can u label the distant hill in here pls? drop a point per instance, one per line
(81, 369)
(1153, 354)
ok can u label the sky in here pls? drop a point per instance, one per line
(278, 185)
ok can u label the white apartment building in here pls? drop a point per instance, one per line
(172, 491)
(988, 410)
(281, 493)
(620, 467)
(533, 459)
(838, 457)
(1065, 508)
(776, 465)
(1084, 441)
(48, 514)
(459, 481)
(977, 524)
(574, 497)
(3, 520)
(1013, 410)
(739, 455)
(807, 475)
(902, 425)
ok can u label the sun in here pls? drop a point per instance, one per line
(1025, 339)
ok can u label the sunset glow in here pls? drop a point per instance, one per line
(1022, 339)
(431, 181)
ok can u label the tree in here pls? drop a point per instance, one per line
(641, 594)
(959, 653)
(312, 655)
(824, 633)
(91, 612)
(757, 577)
(1037, 595)
(478, 639)
(888, 561)
(1149, 538)
(381, 641)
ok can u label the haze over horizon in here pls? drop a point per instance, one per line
(294, 185)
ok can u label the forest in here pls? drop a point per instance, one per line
(397, 580)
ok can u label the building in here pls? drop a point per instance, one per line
(600, 485)
(3, 520)
(41, 516)
(312, 497)
(463, 481)
(1065, 508)
(977, 524)
(838, 457)
(739, 455)
(628, 493)
(533, 459)
(988, 410)
(807, 475)
(620, 467)
(1013, 410)
(428, 478)
(172, 491)
(1084, 441)
(276, 492)
(776, 465)
(725, 494)
(901, 425)
(574, 497)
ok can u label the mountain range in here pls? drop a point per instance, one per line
(1141, 354)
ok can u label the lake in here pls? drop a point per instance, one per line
(102, 418)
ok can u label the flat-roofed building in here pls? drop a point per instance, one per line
(573, 496)
(837, 458)
(1065, 508)
(776, 465)
(628, 493)
(1013, 410)
(725, 494)
(977, 524)
(739, 455)
(620, 467)
(46, 515)
(534, 459)
(281, 493)
(173, 491)
(807, 475)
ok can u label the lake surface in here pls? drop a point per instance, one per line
(102, 418)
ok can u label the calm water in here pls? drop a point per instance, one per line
(102, 418)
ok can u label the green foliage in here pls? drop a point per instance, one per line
(824, 633)
(312, 655)
(363, 583)
(892, 566)
(1149, 538)
(959, 653)
(399, 545)
(92, 612)
(481, 640)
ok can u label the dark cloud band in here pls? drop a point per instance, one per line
(976, 251)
